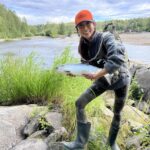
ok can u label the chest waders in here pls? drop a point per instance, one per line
(120, 97)
(83, 126)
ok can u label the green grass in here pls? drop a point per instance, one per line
(24, 81)
(21, 81)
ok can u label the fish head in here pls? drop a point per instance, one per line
(59, 69)
(62, 69)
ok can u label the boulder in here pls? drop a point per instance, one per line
(142, 74)
(143, 106)
(13, 119)
(51, 118)
(143, 77)
(57, 135)
(34, 144)
(132, 113)
(31, 126)
(16, 121)
(134, 141)
(8, 137)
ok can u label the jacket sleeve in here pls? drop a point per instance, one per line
(115, 53)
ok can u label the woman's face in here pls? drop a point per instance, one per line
(86, 29)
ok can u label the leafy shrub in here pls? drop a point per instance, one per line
(135, 92)
(145, 133)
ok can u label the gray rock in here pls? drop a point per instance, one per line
(56, 146)
(147, 148)
(13, 119)
(134, 67)
(143, 106)
(57, 135)
(41, 134)
(31, 144)
(31, 126)
(134, 142)
(142, 73)
(143, 78)
(132, 113)
(55, 119)
(7, 135)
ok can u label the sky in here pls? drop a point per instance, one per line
(43, 11)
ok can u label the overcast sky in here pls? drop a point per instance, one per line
(42, 11)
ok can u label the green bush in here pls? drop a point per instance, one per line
(29, 34)
(145, 133)
(24, 81)
(48, 33)
(135, 92)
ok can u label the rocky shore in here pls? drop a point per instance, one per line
(20, 131)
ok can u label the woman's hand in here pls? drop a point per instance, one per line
(96, 75)
(92, 76)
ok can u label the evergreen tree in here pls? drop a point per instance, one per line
(61, 29)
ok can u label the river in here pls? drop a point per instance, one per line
(48, 48)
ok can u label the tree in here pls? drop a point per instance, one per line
(61, 29)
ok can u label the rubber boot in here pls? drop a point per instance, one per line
(112, 138)
(83, 130)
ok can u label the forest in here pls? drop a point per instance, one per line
(11, 26)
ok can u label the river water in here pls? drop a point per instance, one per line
(48, 48)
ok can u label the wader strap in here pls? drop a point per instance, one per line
(100, 45)
(93, 92)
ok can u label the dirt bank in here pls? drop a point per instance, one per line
(129, 38)
(136, 38)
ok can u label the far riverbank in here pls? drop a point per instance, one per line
(136, 38)
(129, 38)
(133, 38)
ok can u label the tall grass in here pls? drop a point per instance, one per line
(24, 81)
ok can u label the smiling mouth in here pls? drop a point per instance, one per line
(87, 32)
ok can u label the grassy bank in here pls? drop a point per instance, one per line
(23, 82)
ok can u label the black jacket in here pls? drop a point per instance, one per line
(104, 51)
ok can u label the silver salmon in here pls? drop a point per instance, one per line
(79, 69)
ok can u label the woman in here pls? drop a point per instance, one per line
(103, 51)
